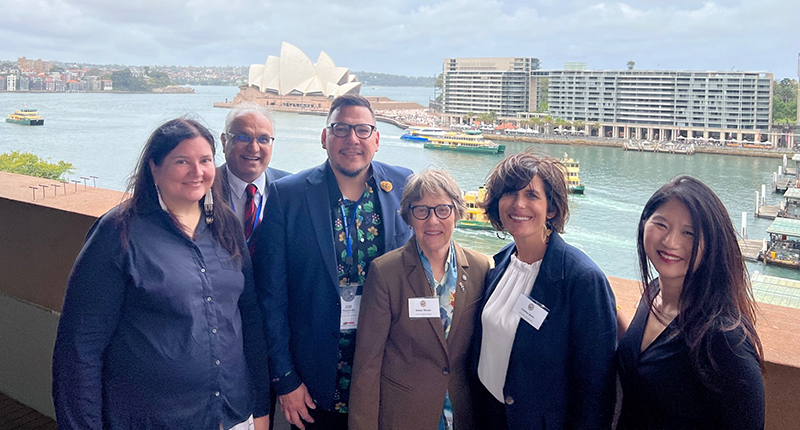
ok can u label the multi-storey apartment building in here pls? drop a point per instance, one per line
(478, 85)
(663, 104)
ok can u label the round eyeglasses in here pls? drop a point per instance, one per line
(422, 212)
(245, 139)
(342, 129)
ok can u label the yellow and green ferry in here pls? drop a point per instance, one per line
(25, 117)
(573, 169)
(464, 143)
(475, 217)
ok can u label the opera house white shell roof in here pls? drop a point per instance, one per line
(294, 74)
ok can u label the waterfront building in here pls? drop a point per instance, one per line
(2, 83)
(11, 83)
(478, 85)
(664, 104)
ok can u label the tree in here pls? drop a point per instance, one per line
(125, 81)
(631, 64)
(784, 101)
(543, 92)
(439, 81)
(29, 164)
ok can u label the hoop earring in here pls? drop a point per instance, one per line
(160, 200)
(208, 205)
(547, 230)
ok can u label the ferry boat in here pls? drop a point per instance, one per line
(573, 169)
(475, 217)
(422, 133)
(464, 143)
(25, 116)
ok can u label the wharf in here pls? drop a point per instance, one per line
(751, 248)
(768, 212)
(781, 184)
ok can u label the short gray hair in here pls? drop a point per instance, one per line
(245, 108)
(431, 181)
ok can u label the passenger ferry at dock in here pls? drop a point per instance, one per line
(25, 116)
(422, 133)
(464, 143)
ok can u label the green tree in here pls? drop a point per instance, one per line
(784, 101)
(543, 92)
(125, 81)
(29, 164)
(631, 64)
(439, 81)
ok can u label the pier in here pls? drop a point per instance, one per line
(751, 248)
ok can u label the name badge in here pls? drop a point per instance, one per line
(423, 307)
(531, 311)
(350, 301)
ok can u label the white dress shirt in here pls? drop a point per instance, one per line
(238, 197)
(500, 323)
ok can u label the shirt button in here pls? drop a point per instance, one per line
(216, 393)
(362, 239)
(509, 400)
(202, 270)
(213, 330)
(217, 362)
(208, 299)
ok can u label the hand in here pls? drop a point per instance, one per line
(261, 423)
(295, 406)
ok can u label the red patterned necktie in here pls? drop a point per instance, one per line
(249, 210)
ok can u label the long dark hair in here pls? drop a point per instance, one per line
(142, 189)
(716, 295)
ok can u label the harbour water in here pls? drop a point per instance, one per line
(102, 135)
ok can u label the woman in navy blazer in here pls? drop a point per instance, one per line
(547, 334)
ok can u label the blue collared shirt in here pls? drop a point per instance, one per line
(161, 332)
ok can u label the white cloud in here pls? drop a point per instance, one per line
(407, 36)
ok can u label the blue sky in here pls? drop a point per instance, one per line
(410, 37)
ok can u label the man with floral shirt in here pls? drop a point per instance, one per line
(321, 229)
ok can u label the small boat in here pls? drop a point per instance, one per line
(475, 217)
(464, 143)
(422, 133)
(573, 169)
(25, 116)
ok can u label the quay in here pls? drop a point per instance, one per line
(768, 211)
(751, 248)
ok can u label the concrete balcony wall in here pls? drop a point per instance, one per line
(39, 241)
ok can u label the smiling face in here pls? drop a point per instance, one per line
(523, 214)
(433, 234)
(248, 161)
(185, 174)
(350, 156)
(668, 241)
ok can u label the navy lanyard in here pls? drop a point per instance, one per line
(349, 259)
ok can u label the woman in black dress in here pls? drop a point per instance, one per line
(691, 357)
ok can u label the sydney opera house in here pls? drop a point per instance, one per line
(293, 82)
(293, 74)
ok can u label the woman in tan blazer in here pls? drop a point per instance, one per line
(416, 319)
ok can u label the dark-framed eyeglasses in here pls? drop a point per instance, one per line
(422, 212)
(342, 129)
(245, 139)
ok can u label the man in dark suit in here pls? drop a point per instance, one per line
(245, 177)
(325, 226)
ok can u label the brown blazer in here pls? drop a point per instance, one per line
(403, 367)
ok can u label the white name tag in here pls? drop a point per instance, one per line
(424, 307)
(531, 311)
(349, 315)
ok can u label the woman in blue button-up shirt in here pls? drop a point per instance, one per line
(160, 326)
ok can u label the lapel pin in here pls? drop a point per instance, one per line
(386, 186)
(464, 277)
(462, 287)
